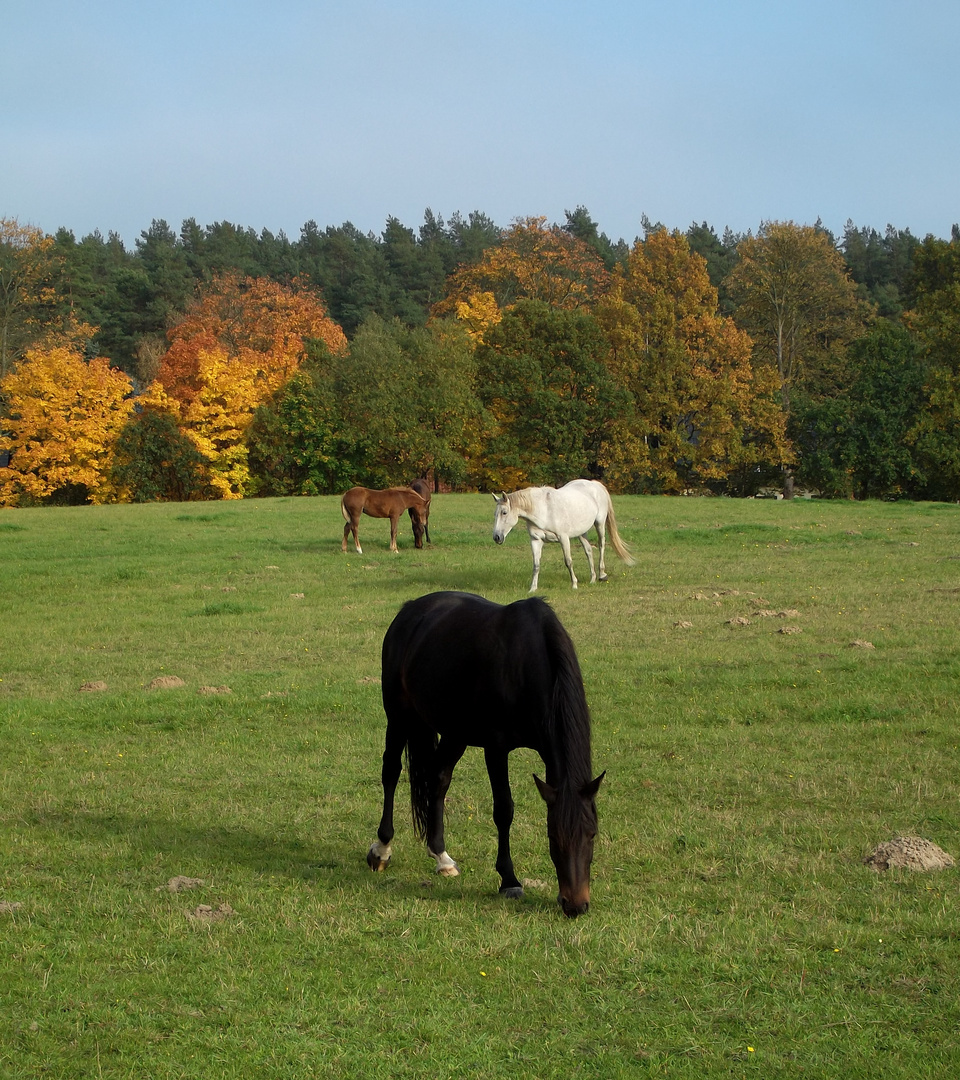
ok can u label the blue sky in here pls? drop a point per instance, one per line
(272, 114)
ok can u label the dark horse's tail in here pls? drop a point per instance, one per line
(420, 753)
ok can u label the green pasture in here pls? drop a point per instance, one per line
(751, 766)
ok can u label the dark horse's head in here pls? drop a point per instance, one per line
(572, 828)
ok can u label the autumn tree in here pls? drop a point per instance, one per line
(239, 343)
(800, 307)
(64, 416)
(701, 413)
(534, 261)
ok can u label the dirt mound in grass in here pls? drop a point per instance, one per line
(908, 853)
(180, 883)
(204, 913)
(165, 682)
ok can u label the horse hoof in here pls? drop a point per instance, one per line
(377, 862)
(514, 892)
(448, 871)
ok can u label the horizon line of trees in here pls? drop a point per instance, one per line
(223, 363)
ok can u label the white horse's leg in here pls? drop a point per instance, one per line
(568, 558)
(536, 546)
(588, 549)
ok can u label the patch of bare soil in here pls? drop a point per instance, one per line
(789, 630)
(204, 913)
(683, 625)
(180, 884)
(8, 907)
(214, 690)
(861, 644)
(92, 687)
(740, 620)
(165, 682)
(908, 853)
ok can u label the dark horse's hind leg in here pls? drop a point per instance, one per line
(446, 757)
(499, 772)
(379, 854)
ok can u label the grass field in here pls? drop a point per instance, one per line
(751, 766)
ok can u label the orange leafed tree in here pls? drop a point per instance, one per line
(255, 321)
(535, 261)
(241, 341)
(64, 418)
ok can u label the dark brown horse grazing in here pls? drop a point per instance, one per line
(389, 503)
(459, 671)
(420, 516)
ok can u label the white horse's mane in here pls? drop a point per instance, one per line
(521, 500)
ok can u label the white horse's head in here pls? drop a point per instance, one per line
(504, 517)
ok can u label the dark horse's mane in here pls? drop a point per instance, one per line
(568, 721)
(568, 725)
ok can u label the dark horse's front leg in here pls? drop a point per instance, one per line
(498, 770)
(380, 852)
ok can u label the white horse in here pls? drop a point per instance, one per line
(556, 514)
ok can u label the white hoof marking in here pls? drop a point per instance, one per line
(446, 867)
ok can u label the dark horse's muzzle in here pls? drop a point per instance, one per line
(572, 909)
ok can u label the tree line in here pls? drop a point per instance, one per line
(219, 362)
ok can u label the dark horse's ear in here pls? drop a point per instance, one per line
(589, 791)
(547, 793)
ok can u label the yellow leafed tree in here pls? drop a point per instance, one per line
(217, 417)
(64, 418)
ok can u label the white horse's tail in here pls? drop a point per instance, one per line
(615, 539)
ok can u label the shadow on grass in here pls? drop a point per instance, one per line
(194, 845)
